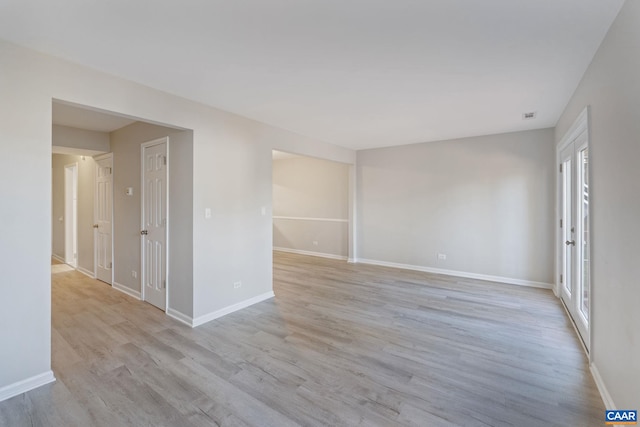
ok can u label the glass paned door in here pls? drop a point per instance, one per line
(575, 277)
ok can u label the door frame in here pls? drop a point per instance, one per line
(580, 126)
(164, 139)
(95, 219)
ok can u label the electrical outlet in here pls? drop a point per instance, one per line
(134, 274)
(442, 257)
(236, 285)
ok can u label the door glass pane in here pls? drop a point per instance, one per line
(585, 284)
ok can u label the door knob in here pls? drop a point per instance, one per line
(95, 225)
(144, 232)
(570, 242)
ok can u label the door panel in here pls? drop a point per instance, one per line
(154, 214)
(566, 277)
(103, 218)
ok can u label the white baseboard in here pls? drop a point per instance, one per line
(126, 290)
(58, 258)
(180, 317)
(352, 260)
(23, 386)
(86, 272)
(318, 254)
(606, 397)
(500, 279)
(230, 309)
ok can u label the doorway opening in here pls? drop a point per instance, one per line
(312, 206)
(109, 149)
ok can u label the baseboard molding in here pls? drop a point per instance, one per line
(352, 260)
(23, 386)
(604, 393)
(310, 253)
(230, 309)
(86, 272)
(180, 317)
(58, 258)
(126, 290)
(500, 279)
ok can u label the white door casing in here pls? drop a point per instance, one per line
(154, 222)
(103, 224)
(574, 279)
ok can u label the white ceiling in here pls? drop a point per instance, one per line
(357, 73)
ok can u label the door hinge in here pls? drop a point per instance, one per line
(561, 279)
(560, 167)
(110, 265)
(164, 284)
(164, 160)
(561, 223)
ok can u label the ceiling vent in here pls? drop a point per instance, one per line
(529, 116)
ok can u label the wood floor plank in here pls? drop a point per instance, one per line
(339, 345)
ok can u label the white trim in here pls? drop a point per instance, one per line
(86, 272)
(180, 317)
(26, 385)
(575, 329)
(230, 309)
(127, 290)
(456, 273)
(310, 253)
(58, 258)
(606, 397)
(300, 218)
(580, 125)
(352, 260)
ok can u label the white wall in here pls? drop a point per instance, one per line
(611, 88)
(231, 175)
(79, 139)
(25, 213)
(180, 276)
(308, 190)
(86, 190)
(484, 202)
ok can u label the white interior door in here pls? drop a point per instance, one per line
(154, 222)
(575, 283)
(71, 215)
(104, 219)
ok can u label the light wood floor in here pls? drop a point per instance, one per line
(340, 345)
